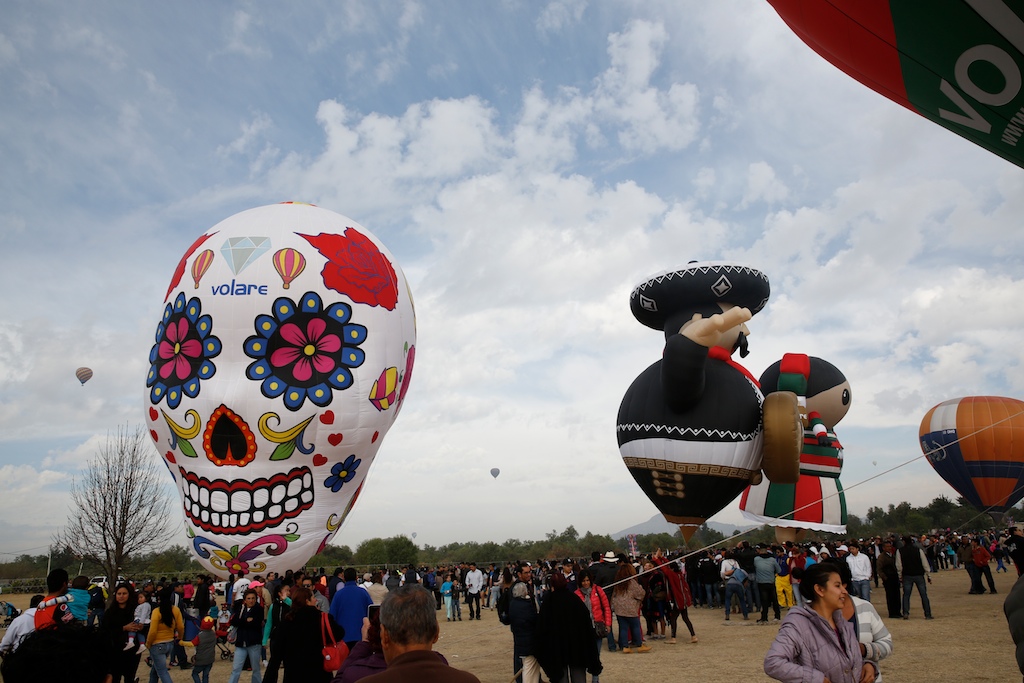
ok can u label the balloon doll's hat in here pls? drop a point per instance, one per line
(696, 287)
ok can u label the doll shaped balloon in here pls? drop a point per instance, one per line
(816, 500)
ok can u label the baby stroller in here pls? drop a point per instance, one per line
(7, 613)
(222, 641)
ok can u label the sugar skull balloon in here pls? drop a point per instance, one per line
(276, 370)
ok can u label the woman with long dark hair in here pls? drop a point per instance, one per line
(275, 617)
(815, 641)
(117, 622)
(627, 596)
(300, 640)
(367, 657)
(166, 627)
(247, 618)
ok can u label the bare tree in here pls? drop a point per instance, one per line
(120, 505)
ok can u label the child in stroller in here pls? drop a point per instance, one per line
(8, 612)
(223, 623)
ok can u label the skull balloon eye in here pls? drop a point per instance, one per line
(228, 439)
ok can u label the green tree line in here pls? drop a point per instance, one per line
(176, 561)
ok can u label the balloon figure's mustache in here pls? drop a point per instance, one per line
(741, 344)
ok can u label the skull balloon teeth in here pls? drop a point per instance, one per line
(243, 506)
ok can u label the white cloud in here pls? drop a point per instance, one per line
(241, 36)
(252, 131)
(33, 507)
(559, 15)
(92, 42)
(653, 120)
(8, 53)
(78, 456)
(391, 57)
(762, 186)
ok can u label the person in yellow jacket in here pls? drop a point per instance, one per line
(166, 622)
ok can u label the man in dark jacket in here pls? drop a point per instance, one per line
(1013, 608)
(886, 565)
(522, 615)
(745, 556)
(913, 567)
(565, 645)
(335, 582)
(408, 631)
(1015, 548)
(604, 575)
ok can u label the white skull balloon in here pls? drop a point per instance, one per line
(276, 370)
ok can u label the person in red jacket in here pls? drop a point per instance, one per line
(596, 600)
(679, 592)
(54, 607)
(981, 558)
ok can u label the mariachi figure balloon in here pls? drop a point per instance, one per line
(689, 427)
(276, 370)
(816, 500)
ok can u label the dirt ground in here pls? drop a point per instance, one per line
(967, 641)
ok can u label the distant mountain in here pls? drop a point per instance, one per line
(658, 525)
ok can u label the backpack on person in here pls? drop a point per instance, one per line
(96, 598)
(504, 602)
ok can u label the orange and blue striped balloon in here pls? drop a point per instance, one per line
(976, 444)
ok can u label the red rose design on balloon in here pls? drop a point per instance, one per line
(356, 268)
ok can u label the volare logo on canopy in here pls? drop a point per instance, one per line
(238, 289)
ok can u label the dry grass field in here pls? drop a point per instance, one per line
(967, 641)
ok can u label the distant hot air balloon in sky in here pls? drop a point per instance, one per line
(957, 63)
(414, 534)
(976, 444)
(495, 472)
(83, 374)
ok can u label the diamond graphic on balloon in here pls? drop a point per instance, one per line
(242, 252)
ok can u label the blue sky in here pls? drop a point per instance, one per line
(527, 163)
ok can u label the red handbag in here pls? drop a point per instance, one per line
(334, 652)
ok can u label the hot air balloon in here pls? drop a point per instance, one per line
(495, 472)
(976, 444)
(261, 398)
(816, 499)
(83, 374)
(201, 265)
(689, 427)
(289, 264)
(957, 63)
